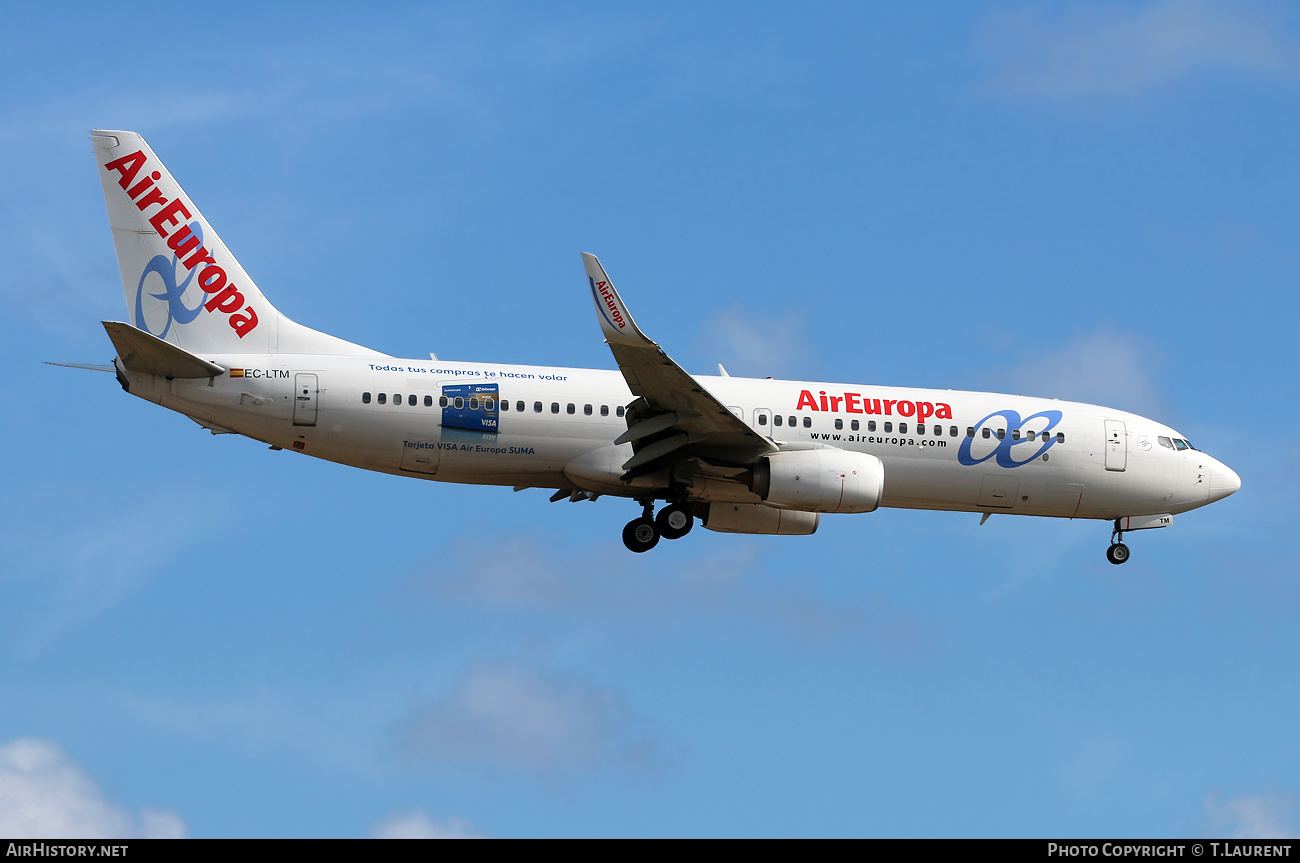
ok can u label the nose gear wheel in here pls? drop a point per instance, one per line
(1118, 551)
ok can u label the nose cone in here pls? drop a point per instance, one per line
(1223, 481)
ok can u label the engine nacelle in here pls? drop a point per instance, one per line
(821, 480)
(759, 518)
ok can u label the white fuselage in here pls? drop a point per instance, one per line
(1028, 456)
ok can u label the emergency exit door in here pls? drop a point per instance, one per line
(304, 400)
(1116, 445)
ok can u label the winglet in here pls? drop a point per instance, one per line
(615, 321)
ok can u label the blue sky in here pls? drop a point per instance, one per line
(202, 637)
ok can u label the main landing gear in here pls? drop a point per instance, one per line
(1118, 551)
(673, 522)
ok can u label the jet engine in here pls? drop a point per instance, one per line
(820, 480)
(759, 518)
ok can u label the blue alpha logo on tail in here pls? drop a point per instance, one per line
(173, 294)
(187, 243)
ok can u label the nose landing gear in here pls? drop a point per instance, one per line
(1118, 551)
(642, 534)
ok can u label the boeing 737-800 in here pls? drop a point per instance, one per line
(741, 455)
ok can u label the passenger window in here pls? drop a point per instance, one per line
(411, 400)
(889, 427)
(586, 409)
(793, 422)
(570, 409)
(938, 431)
(1002, 434)
(459, 403)
(397, 398)
(604, 410)
(1164, 441)
(428, 401)
(442, 401)
(505, 404)
(902, 428)
(383, 398)
(1060, 437)
(473, 404)
(555, 407)
(1015, 434)
(920, 428)
(620, 410)
(762, 419)
(985, 433)
(489, 405)
(1029, 435)
(365, 400)
(839, 424)
(807, 422)
(871, 425)
(853, 425)
(519, 406)
(952, 431)
(777, 420)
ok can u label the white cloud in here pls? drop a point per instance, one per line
(1105, 367)
(43, 794)
(1267, 815)
(418, 825)
(502, 715)
(1107, 51)
(754, 346)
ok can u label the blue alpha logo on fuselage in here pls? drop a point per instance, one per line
(1023, 434)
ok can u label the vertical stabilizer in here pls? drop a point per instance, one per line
(182, 284)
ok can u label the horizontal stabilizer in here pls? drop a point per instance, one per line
(94, 367)
(141, 352)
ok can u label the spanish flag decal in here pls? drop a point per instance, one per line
(236, 373)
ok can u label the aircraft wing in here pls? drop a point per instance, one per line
(675, 417)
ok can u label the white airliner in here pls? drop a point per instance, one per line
(741, 455)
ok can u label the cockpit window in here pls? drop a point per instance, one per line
(1165, 442)
(1180, 444)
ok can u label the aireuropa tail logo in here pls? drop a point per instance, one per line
(1002, 439)
(173, 293)
(187, 243)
